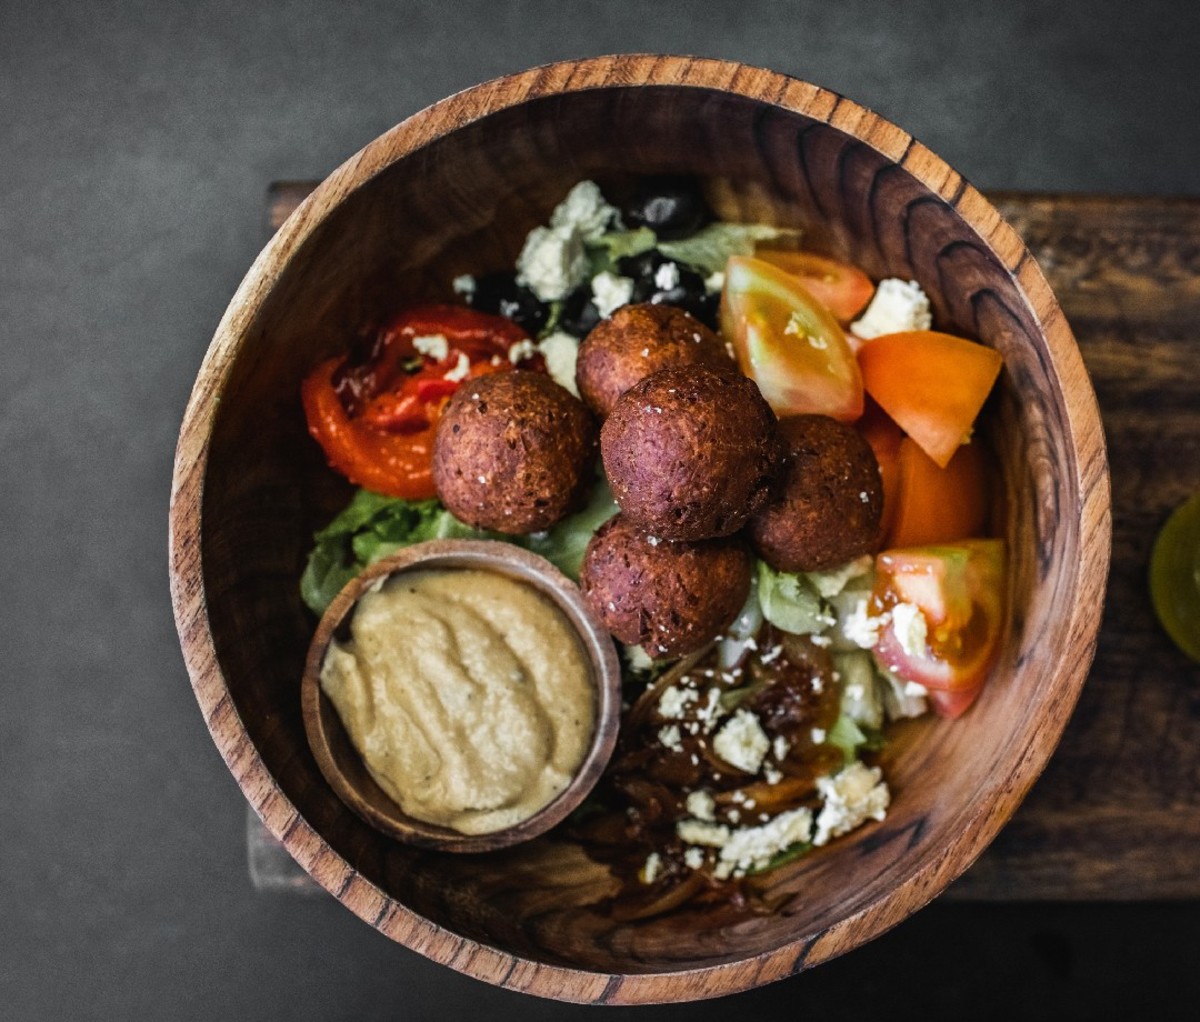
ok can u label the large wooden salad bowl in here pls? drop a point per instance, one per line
(453, 190)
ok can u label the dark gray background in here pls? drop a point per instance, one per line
(136, 141)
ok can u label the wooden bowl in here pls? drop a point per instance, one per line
(453, 190)
(340, 762)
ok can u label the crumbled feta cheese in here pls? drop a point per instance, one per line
(700, 832)
(824, 641)
(861, 628)
(434, 346)
(650, 868)
(710, 712)
(673, 703)
(771, 655)
(898, 305)
(693, 858)
(701, 805)
(460, 370)
(914, 690)
(670, 738)
(753, 847)
(553, 262)
(851, 798)
(637, 658)
(522, 350)
(715, 282)
(772, 775)
(741, 742)
(610, 292)
(829, 583)
(817, 735)
(780, 747)
(910, 628)
(464, 285)
(666, 277)
(734, 815)
(585, 211)
(560, 351)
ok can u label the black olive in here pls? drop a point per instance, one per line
(500, 294)
(642, 266)
(672, 207)
(687, 291)
(579, 312)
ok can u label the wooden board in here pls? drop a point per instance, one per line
(1116, 815)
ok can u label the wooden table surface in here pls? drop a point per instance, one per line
(1116, 815)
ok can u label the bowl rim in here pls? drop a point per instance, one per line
(1039, 737)
(499, 558)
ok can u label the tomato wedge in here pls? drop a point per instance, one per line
(375, 413)
(932, 384)
(843, 289)
(938, 505)
(885, 438)
(959, 591)
(788, 342)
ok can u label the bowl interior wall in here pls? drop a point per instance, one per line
(463, 204)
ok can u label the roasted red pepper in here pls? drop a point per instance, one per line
(374, 414)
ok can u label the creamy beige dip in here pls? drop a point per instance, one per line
(467, 695)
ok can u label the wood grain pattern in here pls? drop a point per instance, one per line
(454, 189)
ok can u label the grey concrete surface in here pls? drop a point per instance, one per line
(136, 141)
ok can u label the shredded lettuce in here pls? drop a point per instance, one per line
(372, 527)
(790, 603)
(605, 250)
(847, 736)
(710, 248)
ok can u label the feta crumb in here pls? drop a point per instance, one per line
(851, 798)
(610, 292)
(637, 658)
(710, 712)
(560, 351)
(460, 370)
(653, 540)
(552, 262)
(817, 735)
(772, 775)
(914, 690)
(734, 815)
(666, 277)
(464, 285)
(741, 742)
(862, 628)
(521, 351)
(897, 306)
(780, 746)
(701, 805)
(673, 703)
(585, 211)
(650, 868)
(434, 346)
(753, 847)
(910, 628)
(715, 282)
(773, 654)
(700, 832)
(693, 858)
(824, 641)
(670, 738)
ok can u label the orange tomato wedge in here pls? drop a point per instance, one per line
(932, 384)
(843, 289)
(885, 438)
(938, 505)
(788, 343)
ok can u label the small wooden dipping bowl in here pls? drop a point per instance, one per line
(340, 762)
(453, 190)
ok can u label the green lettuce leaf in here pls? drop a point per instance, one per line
(565, 543)
(847, 736)
(790, 603)
(605, 250)
(709, 248)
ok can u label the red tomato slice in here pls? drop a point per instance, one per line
(788, 343)
(843, 289)
(885, 438)
(959, 590)
(932, 384)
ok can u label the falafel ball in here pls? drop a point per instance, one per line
(669, 597)
(830, 502)
(691, 452)
(635, 342)
(513, 452)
